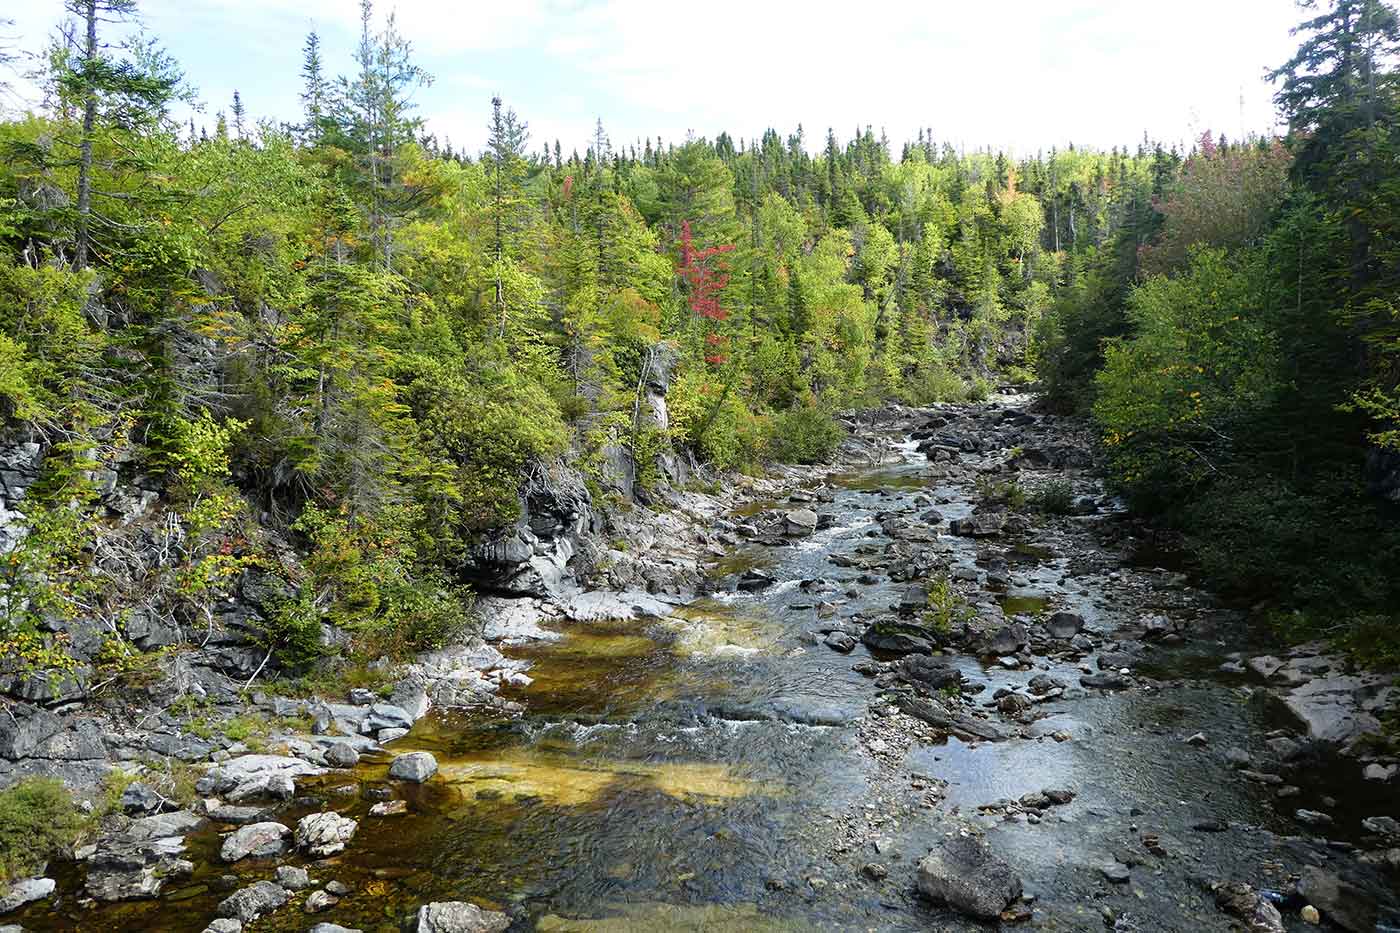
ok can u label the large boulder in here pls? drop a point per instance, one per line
(250, 776)
(459, 917)
(1330, 709)
(416, 767)
(323, 834)
(964, 873)
(1340, 902)
(250, 903)
(799, 522)
(256, 840)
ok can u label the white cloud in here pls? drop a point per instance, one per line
(1018, 74)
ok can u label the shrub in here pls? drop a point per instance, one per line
(1054, 497)
(946, 607)
(805, 434)
(37, 822)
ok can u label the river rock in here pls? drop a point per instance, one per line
(415, 766)
(963, 873)
(317, 901)
(1344, 904)
(1064, 625)
(1328, 709)
(980, 525)
(459, 917)
(930, 672)
(25, 892)
(331, 928)
(342, 755)
(1242, 901)
(229, 813)
(257, 840)
(323, 834)
(386, 716)
(224, 925)
(293, 878)
(799, 522)
(898, 638)
(250, 776)
(250, 903)
(840, 641)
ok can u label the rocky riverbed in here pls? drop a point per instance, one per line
(943, 684)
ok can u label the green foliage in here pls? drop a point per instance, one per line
(946, 608)
(1001, 492)
(804, 434)
(38, 821)
(1053, 497)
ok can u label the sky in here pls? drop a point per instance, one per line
(1019, 75)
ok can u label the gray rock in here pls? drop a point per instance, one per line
(840, 641)
(1064, 625)
(386, 716)
(318, 901)
(980, 525)
(323, 834)
(140, 798)
(293, 878)
(256, 840)
(23, 727)
(224, 925)
(800, 522)
(1116, 872)
(1327, 708)
(415, 766)
(963, 873)
(1344, 904)
(239, 816)
(25, 892)
(332, 928)
(1265, 666)
(250, 903)
(342, 755)
(459, 917)
(1381, 826)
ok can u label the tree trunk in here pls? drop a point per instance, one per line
(85, 147)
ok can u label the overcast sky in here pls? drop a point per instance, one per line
(1020, 74)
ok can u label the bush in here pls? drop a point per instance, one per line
(806, 434)
(1054, 497)
(37, 822)
(933, 382)
(979, 389)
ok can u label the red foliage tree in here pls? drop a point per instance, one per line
(704, 281)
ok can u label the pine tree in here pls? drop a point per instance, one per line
(505, 158)
(314, 90)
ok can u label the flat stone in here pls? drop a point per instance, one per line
(459, 917)
(250, 903)
(293, 878)
(257, 840)
(26, 892)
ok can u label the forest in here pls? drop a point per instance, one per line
(345, 333)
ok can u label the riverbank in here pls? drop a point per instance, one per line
(951, 634)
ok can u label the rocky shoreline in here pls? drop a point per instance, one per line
(1018, 597)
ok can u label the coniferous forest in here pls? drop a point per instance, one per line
(319, 366)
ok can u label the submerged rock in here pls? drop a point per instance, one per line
(250, 903)
(459, 917)
(964, 873)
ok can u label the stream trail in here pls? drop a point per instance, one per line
(750, 764)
